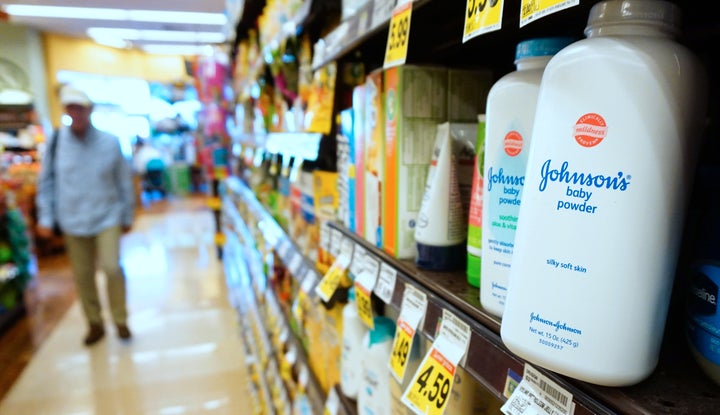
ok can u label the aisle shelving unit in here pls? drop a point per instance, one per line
(676, 387)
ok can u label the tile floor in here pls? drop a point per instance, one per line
(186, 356)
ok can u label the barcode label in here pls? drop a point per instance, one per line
(550, 391)
(556, 394)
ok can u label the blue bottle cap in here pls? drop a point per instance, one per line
(546, 46)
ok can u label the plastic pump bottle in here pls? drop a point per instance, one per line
(510, 113)
(614, 147)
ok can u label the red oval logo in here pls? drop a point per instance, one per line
(513, 143)
(590, 130)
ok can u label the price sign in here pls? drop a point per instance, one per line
(336, 240)
(398, 36)
(296, 263)
(330, 282)
(332, 404)
(412, 312)
(358, 262)
(364, 284)
(311, 278)
(531, 10)
(538, 394)
(325, 236)
(386, 283)
(430, 388)
(214, 203)
(482, 16)
(283, 247)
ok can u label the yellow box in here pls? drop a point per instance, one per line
(374, 156)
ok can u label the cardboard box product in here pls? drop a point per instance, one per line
(346, 169)
(374, 157)
(467, 93)
(358, 109)
(416, 101)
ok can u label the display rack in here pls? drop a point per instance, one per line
(677, 386)
(258, 307)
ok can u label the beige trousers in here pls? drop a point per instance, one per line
(86, 253)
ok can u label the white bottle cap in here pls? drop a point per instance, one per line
(664, 15)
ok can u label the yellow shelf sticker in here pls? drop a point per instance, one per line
(482, 16)
(401, 349)
(429, 391)
(398, 36)
(364, 305)
(214, 203)
(330, 282)
(531, 10)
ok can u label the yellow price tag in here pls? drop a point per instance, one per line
(285, 370)
(214, 203)
(531, 10)
(220, 239)
(402, 344)
(398, 36)
(429, 391)
(330, 282)
(364, 305)
(482, 16)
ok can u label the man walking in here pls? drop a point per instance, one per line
(85, 188)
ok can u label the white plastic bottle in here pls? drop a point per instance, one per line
(510, 113)
(614, 144)
(353, 331)
(374, 397)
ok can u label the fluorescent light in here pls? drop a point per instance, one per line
(177, 49)
(113, 42)
(156, 35)
(94, 13)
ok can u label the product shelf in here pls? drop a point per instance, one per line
(250, 291)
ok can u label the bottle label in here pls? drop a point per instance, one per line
(554, 334)
(704, 322)
(579, 186)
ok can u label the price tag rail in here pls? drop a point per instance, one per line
(487, 360)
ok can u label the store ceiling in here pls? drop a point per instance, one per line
(77, 26)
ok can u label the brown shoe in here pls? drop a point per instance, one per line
(123, 331)
(95, 334)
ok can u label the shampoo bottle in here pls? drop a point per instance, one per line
(615, 141)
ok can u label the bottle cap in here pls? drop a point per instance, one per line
(473, 270)
(663, 14)
(547, 46)
(384, 330)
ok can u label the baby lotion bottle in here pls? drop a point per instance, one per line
(510, 113)
(615, 138)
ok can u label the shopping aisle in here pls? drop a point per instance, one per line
(186, 355)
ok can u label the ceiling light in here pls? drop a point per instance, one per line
(113, 42)
(94, 13)
(156, 35)
(188, 50)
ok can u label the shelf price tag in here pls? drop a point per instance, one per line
(537, 394)
(214, 203)
(412, 312)
(482, 16)
(398, 36)
(531, 10)
(309, 282)
(330, 282)
(386, 283)
(364, 284)
(358, 262)
(336, 240)
(429, 391)
(332, 404)
(296, 263)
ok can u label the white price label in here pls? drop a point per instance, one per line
(296, 263)
(325, 236)
(358, 262)
(414, 306)
(332, 404)
(336, 239)
(385, 286)
(311, 279)
(538, 391)
(283, 247)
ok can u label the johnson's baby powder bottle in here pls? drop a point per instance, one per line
(614, 140)
(510, 110)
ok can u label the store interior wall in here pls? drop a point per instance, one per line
(63, 53)
(24, 47)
